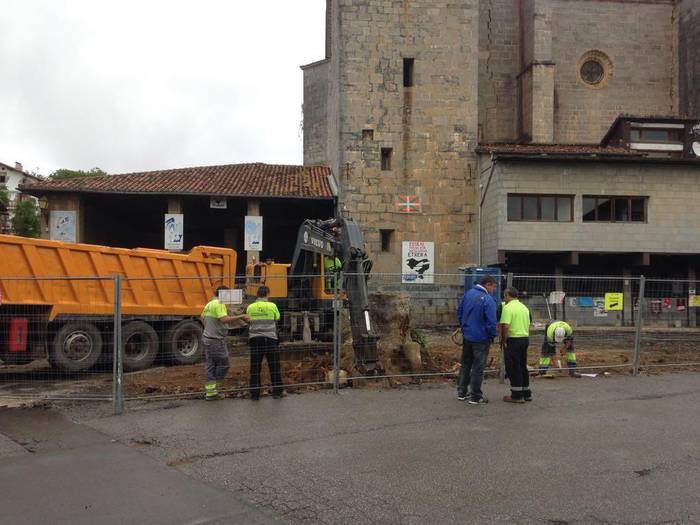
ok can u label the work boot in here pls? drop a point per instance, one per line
(511, 399)
(215, 397)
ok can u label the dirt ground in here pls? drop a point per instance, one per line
(440, 357)
(311, 369)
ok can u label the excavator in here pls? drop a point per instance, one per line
(305, 289)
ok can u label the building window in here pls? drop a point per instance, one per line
(655, 135)
(545, 208)
(386, 158)
(386, 239)
(408, 72)
(601, 208)
(594, 69)
(2, 178)
(367, 135)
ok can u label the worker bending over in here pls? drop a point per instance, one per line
(558, 332)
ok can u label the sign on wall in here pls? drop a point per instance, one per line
(253, 233)
(418, 262)
(62, 226)
(174, 236)
(218, 203)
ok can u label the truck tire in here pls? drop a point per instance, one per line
(139, 345)
(183, 343)
(76, 347)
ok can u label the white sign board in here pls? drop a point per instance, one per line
(253, 233)
(217, 202)
(174, 231)
(62, 226)
(231, 296)
(418, 262)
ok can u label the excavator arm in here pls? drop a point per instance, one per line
(342, 238)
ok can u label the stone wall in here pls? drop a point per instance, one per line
(316, 113)
(638, 37)
(688, 17)
(431, 127)
(499, 64)
(672, 190)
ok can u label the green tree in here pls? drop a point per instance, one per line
(4, 195)
(25, 221)
(72, 174)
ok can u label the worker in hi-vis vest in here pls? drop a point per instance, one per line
(264, 343)
(215, 316)
(558, 332)
(331, 267)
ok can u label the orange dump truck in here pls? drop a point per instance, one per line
(57, 301)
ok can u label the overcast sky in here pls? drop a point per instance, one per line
(139, 85)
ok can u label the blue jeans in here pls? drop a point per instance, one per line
(471, 374)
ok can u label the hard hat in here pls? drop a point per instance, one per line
(559, 334)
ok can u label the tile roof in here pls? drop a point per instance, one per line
(553, 149)
(231, 180)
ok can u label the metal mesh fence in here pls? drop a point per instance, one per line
(116, 339)
(57, 338)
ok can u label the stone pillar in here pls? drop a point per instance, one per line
(253, 256)
(64, 202)
(537, 76)
(174, 205)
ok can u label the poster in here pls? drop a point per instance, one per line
(694, 301)
(556, 297)
(599, 307)
(62, 226)
(231, 296)
(613, 301)
(585, 302)
(418, 262)
(253, 233)
(573, 302)
(173, 231)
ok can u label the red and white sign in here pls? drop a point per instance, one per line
(408, 204)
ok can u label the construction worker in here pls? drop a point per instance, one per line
(331, 267)
(515, 336)
(558, 332)
(215, 316)
(263, 341)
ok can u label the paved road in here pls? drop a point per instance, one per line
(616, 450)
(54, 471)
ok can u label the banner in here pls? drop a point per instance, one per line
(253, 233)
(174, 231)
(418, 262)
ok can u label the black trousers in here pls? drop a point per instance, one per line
(268, 348)
(516, 366)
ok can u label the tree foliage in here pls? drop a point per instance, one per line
(25, 221)
(64, 173)
(4, 195)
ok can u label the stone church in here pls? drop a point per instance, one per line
(536, 135)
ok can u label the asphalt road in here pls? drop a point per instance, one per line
(617, 450)
(54, 471)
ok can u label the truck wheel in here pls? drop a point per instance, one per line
(76, 347)
(140, 346)
(183, 343)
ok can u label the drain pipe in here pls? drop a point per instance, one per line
(481, 203)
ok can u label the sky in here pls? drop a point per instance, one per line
(151, 84)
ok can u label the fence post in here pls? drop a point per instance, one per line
(337, 330)
(638, 329)
(117, 371)
(502, 365)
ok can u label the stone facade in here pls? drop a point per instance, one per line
(688, 17)
(669, 228)
(483, 71)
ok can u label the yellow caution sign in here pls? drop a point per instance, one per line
(613, 301)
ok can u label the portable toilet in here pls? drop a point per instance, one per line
(472, 275)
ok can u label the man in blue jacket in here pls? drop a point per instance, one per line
(476, 314)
